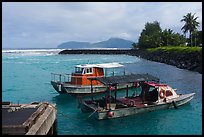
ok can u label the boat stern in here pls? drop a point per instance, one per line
(58, 87)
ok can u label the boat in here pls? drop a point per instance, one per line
(152, 96)
(78, 83)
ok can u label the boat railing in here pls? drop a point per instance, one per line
(86, 81)
(70, 78)
(115, 73)
(60, 77)
(77, 79)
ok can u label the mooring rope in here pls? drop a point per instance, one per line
(65, 115)
(92, 113)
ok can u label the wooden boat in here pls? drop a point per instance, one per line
(78, 82)
(153, 96)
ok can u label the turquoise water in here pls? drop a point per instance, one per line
(26, 76)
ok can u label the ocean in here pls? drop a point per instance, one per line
(26, 76)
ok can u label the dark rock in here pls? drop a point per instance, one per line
(191, 61)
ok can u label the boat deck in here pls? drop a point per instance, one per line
(136, 101)
(120, 103)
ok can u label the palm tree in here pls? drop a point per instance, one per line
(167, 37)
(190, 24)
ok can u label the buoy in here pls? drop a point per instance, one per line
(110, 113)
(136, 84)
(132, 103)
(162, 93)
(174, 105)
(110, 88)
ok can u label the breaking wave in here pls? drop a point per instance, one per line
(31, 52)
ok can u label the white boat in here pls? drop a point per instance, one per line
(78, 82)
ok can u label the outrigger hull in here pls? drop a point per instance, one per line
(122, 112)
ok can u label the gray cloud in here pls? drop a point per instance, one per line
(49, 24)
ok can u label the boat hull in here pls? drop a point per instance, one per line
(122, 112)
(75, 90)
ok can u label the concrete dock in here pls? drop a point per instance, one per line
(37, 118)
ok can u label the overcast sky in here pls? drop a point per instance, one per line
(46, 25)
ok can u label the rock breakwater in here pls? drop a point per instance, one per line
(190, 61)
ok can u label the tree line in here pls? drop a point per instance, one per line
(153, 36)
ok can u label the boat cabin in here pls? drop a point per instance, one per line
(83, 72)
(162, 91)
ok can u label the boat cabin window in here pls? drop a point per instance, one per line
(149, 93)
(79, 70)
(151, 89)
(89, 70)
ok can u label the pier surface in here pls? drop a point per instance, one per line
(29, 119)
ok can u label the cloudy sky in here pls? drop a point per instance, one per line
(46, 25)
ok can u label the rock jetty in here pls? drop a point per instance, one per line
(190, 61)
(96, 51)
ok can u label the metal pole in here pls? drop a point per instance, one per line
(91, 90)
(127, 91)
(115, 92)
(106, 100)
(60, 78)
(106, 72)
(143, 92)
(109, 96)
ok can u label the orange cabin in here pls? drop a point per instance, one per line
(83, 72)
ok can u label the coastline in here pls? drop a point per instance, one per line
(190, 61)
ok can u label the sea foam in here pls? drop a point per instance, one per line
(31, 52)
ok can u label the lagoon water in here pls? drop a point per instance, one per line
(26, 76)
